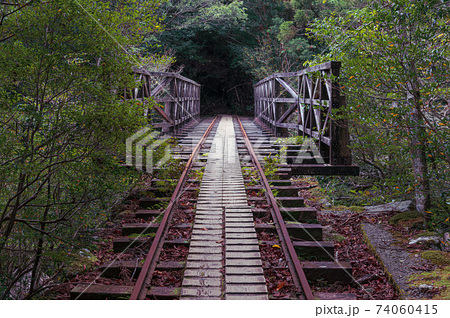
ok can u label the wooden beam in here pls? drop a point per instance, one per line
(287, 114)
(287, 87)
(322, 170)
(161, 85)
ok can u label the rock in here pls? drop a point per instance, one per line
(369, 290)
(446, 242)
(425, 240)
(84, 251)
(402, 206)
(328, 232)
(424, 288)
(325, 203)
(366, 278)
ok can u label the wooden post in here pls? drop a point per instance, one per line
(340, 152)
(280, 109)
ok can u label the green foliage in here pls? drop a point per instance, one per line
(197, 174)
(439, 219)
(359, 191)
(395, 74)
(63, 128)
(77, 263)
(148, 235)
(271, 166)
(250, 173)
(285, 46)
(295, 140)
(204, 14)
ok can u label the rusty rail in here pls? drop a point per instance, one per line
(300, 275)
(177, 96)
(139, 291)
(306, 102)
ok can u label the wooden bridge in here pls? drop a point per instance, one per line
(305, 103)
(223, 224)
(178, 97)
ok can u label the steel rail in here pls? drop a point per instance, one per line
(284, 233)
(138, 292)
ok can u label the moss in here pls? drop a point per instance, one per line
(339, 238)
(142, 235)
(126, 212)
(80, 263)
(439, 278)
(317, 194)
(405, 216)
(425, 234)
(340, 208)
(437, 257)
(358, 209)
(374, 252)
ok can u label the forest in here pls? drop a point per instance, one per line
(63, 124)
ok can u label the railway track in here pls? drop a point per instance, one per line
(224, 234)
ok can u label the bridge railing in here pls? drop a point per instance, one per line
(305, 102)
(178, 98)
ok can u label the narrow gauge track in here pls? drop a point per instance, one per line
(234, 231)
(283, 222)
(301, 283)
(143, 283)
(146, 228)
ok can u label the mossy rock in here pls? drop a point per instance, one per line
(406, 216)
(437, 257)
(126, 212)
(358, 209)
(440, 278)
(424, 234)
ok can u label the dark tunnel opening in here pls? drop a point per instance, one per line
(226, 87)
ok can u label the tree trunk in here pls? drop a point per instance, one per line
(418, 155)
(4, 234)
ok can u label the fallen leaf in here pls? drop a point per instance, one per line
(276, 246)
(280, 285)
(220, 241)
(204, 229)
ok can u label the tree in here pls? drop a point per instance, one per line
(63, 128)
(284, 46)
(8, 9)
(204, 14)
(199, 34)
(395, 56)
